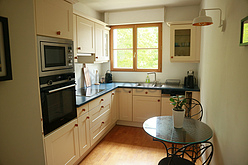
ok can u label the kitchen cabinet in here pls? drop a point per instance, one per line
(125, 104)
(84, 36)
(100, 117)
(145, 107)
(146, 104)
(184, 43)
(114, 106)
(90, 39)
(106, 44)
(61, 146)
(99, 41)
(84, 133)
(54, 18)
(166, 109)
(83, 128)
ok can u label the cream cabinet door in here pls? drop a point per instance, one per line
(99, 40)
(166, 109)
(145, 107)
(85, 35)
(54, 18)
(61, 146)
(114, 105)
(125, 104)
(84, 133)
(185, 43)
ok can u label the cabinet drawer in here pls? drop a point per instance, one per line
(82, 109)
(100, 128)
(98, 112)
(99, 100)
(146, 92)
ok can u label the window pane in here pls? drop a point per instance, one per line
(147, 37)
(123, 58)
(147, 58)
(123, 38)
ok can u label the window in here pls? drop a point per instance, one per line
(136, 47)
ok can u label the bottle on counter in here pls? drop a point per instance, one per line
(147, 79)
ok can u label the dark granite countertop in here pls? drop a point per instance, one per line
(107, 87)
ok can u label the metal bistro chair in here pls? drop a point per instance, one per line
(188, 155)
(193, 109)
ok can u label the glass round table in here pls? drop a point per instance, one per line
(193, 131)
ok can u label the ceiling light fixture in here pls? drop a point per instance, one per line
(203, 20)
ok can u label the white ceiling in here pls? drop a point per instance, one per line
(108, 5)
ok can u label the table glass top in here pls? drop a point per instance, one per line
(162, 128)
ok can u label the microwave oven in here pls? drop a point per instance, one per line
(55, 56)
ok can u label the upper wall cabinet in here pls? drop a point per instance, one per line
(184, 43)
(54, 18)
(89, 37)
(85, 36)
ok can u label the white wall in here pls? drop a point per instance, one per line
(169, 70)
(88, 11)
(20, 128)
(223, 76)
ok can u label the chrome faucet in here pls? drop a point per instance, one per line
(155, 81)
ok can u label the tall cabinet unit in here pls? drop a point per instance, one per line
(54, 18)
(184, 43)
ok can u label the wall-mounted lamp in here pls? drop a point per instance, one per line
(204, 20)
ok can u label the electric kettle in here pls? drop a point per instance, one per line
(108, 77)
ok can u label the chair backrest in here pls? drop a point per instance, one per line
(196, 151)
(193, 109)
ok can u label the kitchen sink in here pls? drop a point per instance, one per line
(147, 85)
(158, 85)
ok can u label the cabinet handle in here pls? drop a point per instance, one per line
(75, 57)
(113, 93)
(146, 92)
(79, 48)
(158, 100)
(103, 122)
(102, 100)
(171, 56)
(58, 32)
(76, 125)
(87, 117)
(83, 110)
(102, 106)
(96, 57)
(129, 92)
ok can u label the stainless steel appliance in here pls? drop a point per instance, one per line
(55, 56)
(58, 100)
(190, 80)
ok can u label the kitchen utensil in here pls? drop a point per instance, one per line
(87, 76)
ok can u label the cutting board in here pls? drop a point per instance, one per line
(87, 76)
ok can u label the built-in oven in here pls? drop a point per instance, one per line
(55, 55)
(58, 100)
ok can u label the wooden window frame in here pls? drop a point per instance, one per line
(135, 26)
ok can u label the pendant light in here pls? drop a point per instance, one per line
(204, 20)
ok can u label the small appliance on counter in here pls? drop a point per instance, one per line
(190, 80)
(108, 77)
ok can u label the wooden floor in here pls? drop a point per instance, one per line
(126, 146)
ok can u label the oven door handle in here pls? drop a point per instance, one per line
(59, 89)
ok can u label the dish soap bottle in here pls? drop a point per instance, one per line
(147, 79)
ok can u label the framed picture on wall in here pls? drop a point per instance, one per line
(244, 32)
(5, 61)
